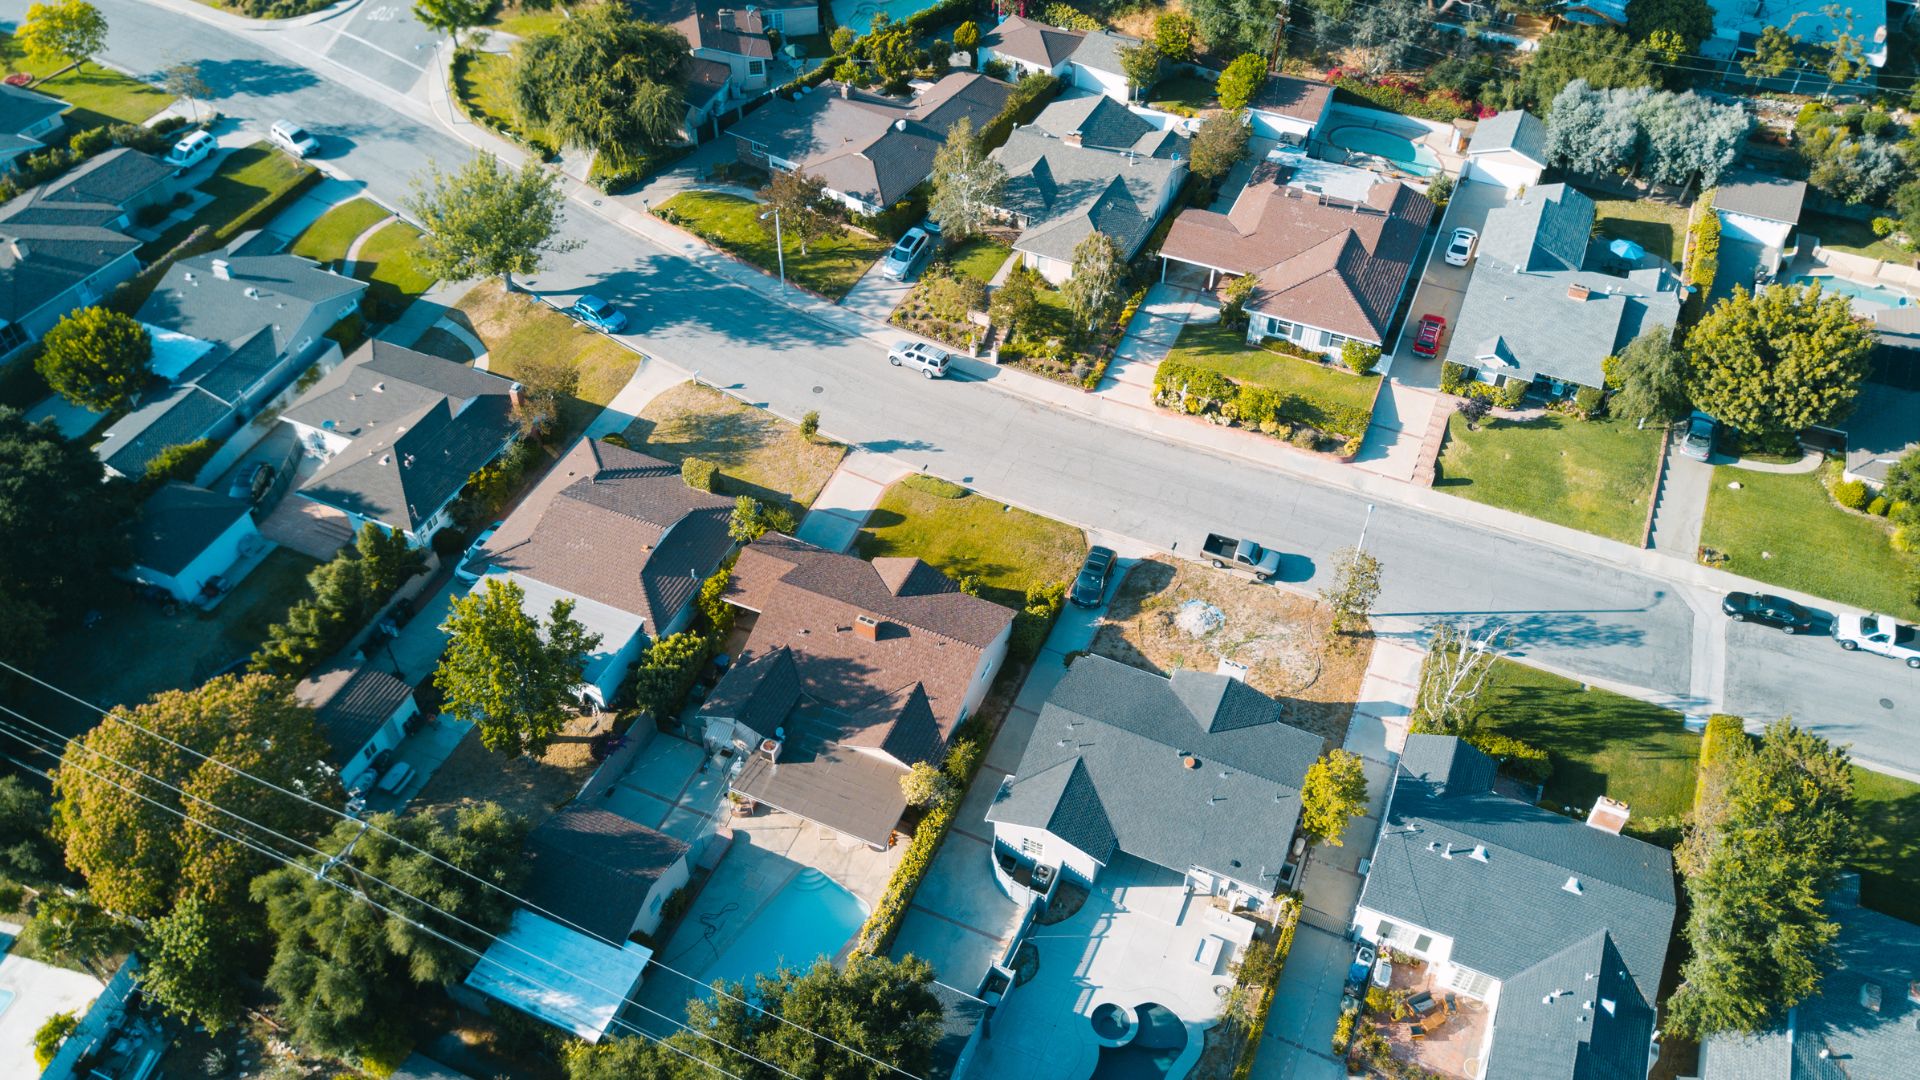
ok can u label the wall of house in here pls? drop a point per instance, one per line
(607, 684)
(1056, 271)
(990, 660)
(1325, 342)
(386, 738)
(1021, 68)
(1753, 230)
(793, 22)
(1505, 168)
(1405, 937)
(83, 293)
(217, 559)
(745, 75)
(1052, 851)
(674, 878)
(1111, 83)
(1271, 125)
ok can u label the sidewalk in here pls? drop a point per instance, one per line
(851, 493)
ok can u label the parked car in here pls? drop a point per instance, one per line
(1426, 340)
(1460, 248)
(1091, 586)
(1879, 634)
(1767, 610)
(252, 482)
(599, 314)
(292, 138)
(397, 779)
(1697, 441)
(190, 151)
(460, 569)
(899, 262)
(922, 357)
(1227, 553)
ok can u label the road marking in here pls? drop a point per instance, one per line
(391, 55)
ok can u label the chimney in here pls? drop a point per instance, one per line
(846, 90)
(1577, 291)
(513, 395)
(1071, 138)
(1870, 996)
(1608, 815)
(866, 627)
(222, 270)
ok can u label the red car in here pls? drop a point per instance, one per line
(1427, 341)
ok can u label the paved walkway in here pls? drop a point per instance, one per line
(1808, 463)
(421, 315)
(1681, 505)
(851, 493)
(651, 379)
(1149, 337)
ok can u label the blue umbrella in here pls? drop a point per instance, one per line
(1627, 249)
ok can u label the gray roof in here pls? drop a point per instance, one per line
(960, 1016)
(21, 108)
(1106, 124)
(1545, 229)
(178, 523)
(1099, 50)
(279, 291)
(350, 704)
(181, 415)
(1065, 192)
(1883, 427)
(1527, 325)
(1573, 1016)
(1031, 40)
(1107, 770)
(40, 260)
(1517, 130)
(593, 869)
(1761, 195)
(115, 177)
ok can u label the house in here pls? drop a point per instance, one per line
(1532, 314)
(597, 882)
(962, 1019)
(1759, 208)
(361, 711)
(117, 184)
(1289, 109)
(1816, 23)
(710, 92)
(1508, 149)
(1197, 773)
(187, 537)
(622, 536)
(117, 1035)
(736, 36)
(398, 433)
(852, 672)
(870, 149)
(1330, 269)
(1862, 1024)
(1076, 171)
(27, 119)
(231, 335)
(52, 263)
(1085, 59)
(1559, 927)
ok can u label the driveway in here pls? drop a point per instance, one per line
(1298, 1041)
(875, 295)
(960, 920)
(1441, 286)
(1150, 336)
(1682, 505)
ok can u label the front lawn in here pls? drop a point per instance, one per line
(979, 257)
(329, 237)
(98, 95)
(248, 183)
(1592, 475)
(1658, 227)
(758, 453)
(731, 223)
(1007, 549)
(525, 20)
(386, 262)
(1184, 95)
(1783, 529)
(1888, 811)
(520, 331)
(481, 82)
(1323, 391)
(1852, 237)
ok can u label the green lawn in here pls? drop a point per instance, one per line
(830, 267)
(247, 181)
(329, 237)
(1888, 810)
(1659, 228)
(98, 96)
(1326, 390)
(1183, 95)
(1850, 236)
(1592, 475)
(758, 453)
(522, 333)
(1810, 544)
(523, 21)
(483, 89)
(1006, 548)
(979, 257)
(386, 261)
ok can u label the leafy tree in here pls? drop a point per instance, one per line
(1097, 270)
(1690, 20)
(1241, 81)
(1227, 26)
(890, 49)
(96, 358)
(190, 955)
(1604, 57)
(1388, 32)
(183, 80)
(1016, 303)
(1173, 35)
(74, 931)
(1903, 479)
(507, 673)
(482, 220)
(62, 528)
(1236, 294)
(345, 593)
(1594, 131)
(658, 685)
(803, 205)
(181, 461)
(605, 81)
(546, 381)
(926, 784)
(1688, 138)
(451, 16)
(1650, 378)
(50, 1034)
(843, 38)
(1773, 54)
(966, 183)
(28, 853)
(1778, 362)
(752, 519)
(1219, 144)
(70, 30)
(1334, 793)
(1141, 65)
(1856, 169)
(1351, 594)
(966, 36)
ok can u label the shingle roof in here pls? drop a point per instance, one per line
(1573, 1016)
(1065, 192)
(1302, 99)
(1099, 50)
(178, 523)
(114, 177)
(1527, 325)
(183, 414)
(350, 704)
(1761, 195)
(1105, 124)
(1107, 762)
(1034, 42)
(594, 869)
(960, 1016)
(1883, 428)
(41, 259)
(1517, 130)
(1545, 229)
(278, 291)
(21, 108)
(705, 79)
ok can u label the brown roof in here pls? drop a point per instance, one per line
(1302, 99)
(1333, 264)
(618, 527)
(350, 704)
(705, 79)
(594, 869)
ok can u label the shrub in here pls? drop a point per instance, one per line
(699, 473)
(1704, 261)
(1587, 402)
(1512, 393)
(660, 682)
(449, 542)
(48, 1037)
(1851, 494)
(1906, 539)
(1455, 378)
(1360, 357)
(614, 438)
(1440, 189)
(1517, 759)
(182, 462)
(1194, 389)
(1343, 1033)
(1068, 18)
(1878, 507)
(934, 486)
(1032, 622)
(810, 424)
(1029, 96)
(1305, 438)
(1474, 409)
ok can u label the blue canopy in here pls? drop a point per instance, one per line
(1627, 249)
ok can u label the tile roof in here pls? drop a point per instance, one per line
(1761, 195)
(1302, 99)
(1034, 42)
(1064, 192)
(1107, 763)
(1545, 229)
(21, 108)
(1328, 262)
(350, 704)
(178, 522)
(594, 869)
(277, 291)
(1517, 130)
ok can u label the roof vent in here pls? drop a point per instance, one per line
(900, 124)
(386, 459)
(1913, 992)
(191, 277)
(1478, 853)
(328, 425)
(867, 627)
(223, 270)
(1573, 886)
(1577, 291)
(1447, 852)
(1870, 996)
(1071, 138)
(250, 293)
(380, 388)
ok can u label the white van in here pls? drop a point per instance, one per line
(190, 151)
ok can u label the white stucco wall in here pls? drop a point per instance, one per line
(386, 738)
(1439, 950)
(1506, 168)
(1056, 271)
(1021, 68)
(675, 877)
(1053, 850)
(217, 559)
(1272, 125)
(1111, 83)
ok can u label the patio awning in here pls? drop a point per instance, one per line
(575, 982)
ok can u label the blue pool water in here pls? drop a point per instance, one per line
(1150, 1055)
(1872, 294)
(812, 916)
(1417, 160)
(6, 999)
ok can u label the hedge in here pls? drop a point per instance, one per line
(1029, 96)
(634, 168)
(1282, 947)
(964, 755)
(699, 473)
(661, 681)
(1723, 735)
(1704, 260)
(1517, 759)
(933, 18)
(1201, 391)
(1441, 105)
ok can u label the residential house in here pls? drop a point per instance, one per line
(1759, 208)
(1884, 425)
(1816, 23)
(1558, 927)
(123, 181)
(231, 336)
(113, 1038)
(852, 672)
(710, 92)
(1086, 59)
(55, 258)
(187, 538)
(1330, 269)
(962, 1020)
(1508, 149)
(1289, 109)
(361, 711)
(1532, 314)
(398, 434)
(1863, 1023)
(1081, 168)
(623, 537)
(870, 149)
(734, 36)
(1197, 773)
(27, 119)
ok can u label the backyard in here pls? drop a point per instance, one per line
(1329, 398)
(1783, 529)
(1183, 95)
(1658, 227)
(758, 453)
(1850, 236)
(532, 787)
(329, 237)
(1006, 549)
(248, 182)
(1888, 809)
(1592, 475)
(830, 266)
(98, 95)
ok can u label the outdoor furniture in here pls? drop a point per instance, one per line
(1417, 1032)
(1422, 1003)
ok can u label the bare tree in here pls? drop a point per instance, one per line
(1455, 674)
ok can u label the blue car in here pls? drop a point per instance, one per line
(599, 314)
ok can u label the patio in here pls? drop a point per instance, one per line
(1454, 1036)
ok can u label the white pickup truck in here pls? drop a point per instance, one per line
(1878, 634)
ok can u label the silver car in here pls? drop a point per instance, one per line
(899, 261)
(920, 356)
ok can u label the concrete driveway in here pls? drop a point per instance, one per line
(1298, 1041)
(875, 295)
(1150, 336)
(1441, 286)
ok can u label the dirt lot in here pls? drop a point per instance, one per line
(1281, 638)
(529, 787)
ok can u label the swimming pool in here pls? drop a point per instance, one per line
(813, 916)
(1872, 294)
(1403, 152)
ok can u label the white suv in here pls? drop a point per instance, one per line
(292, 138)
(920, 356)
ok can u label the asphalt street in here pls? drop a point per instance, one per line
(1573, 613)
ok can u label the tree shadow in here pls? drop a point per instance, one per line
(261, 78)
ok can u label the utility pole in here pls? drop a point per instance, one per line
(1279, 50)
(1362, 545)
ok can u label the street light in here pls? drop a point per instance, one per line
(1362, 545)
(778, 247)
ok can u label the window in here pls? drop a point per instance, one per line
(1387, 931)
(1281, 328)
(1031, 848)
(1471, 983)
(1422, 943)
(1330, 340)
(11, 338)
(776, 20)
(756, 67)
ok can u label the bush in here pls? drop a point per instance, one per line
(1474, 409)
(1704, 259)
(1455, 378)
(810, 424)
(182, 462)
(1851, 494)
(1587, 402)
(614, 438)
(48, 1037)
(1360, 357)
(1517, 759)
(1440, 189)
(934, 486)
(1511, 393)
(1029, 96)
(1879, 506)
(1032, 623)
(1397, 96)
(1305, 438)
(699, 473)
(449, 542)
(893, 222)
(660, 682)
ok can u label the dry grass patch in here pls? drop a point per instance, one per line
(531, 787)
(1281, 637)
(758, 453)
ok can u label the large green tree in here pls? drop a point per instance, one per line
(966, 184)
(1649, 378)
(69, 30)
(1334, 792)
(802, 207)
(343, 595)
(1606, 58)
(483, 220)
(96, 358)
(1778, 362)
(1220, 143)
(28, 853)
(1097, 270)
(605, 81)
(1235, 26)
(191, 954)
(1691, 20)
(510, 675)
(451, 16)
(1241, 82)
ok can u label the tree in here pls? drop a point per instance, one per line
(96, 358)
(891, 50)
(482, 220)
(1016, 302)
(1650, 378)
(1903, 479)
(1235, 25)
(1761, 865)
(50, 1034)
(1388, 31)
(546, 380)
(1454, 675)
(1350, 596)
(1172, 35)
(28, 853)
(1335, 792)
(810, 425)
(1775, 363)
(1594, 131)
(843, 38)
(1606, 58)
(63, 530)
(451, 16)
(1097, 270)
(508, 674)
(74, 932)
(925, 785)
(345, 593)
(966, 183)
(1219, 144)
(181, 461)
(966, 36)
(1141, 65)
(1691, 20)
(802, 204)
(1241, 81)
(70, 30)
(1773, 53)
(1688, 138)
(190, 955)
(604, 80)
(752, 519)
(183, 80)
